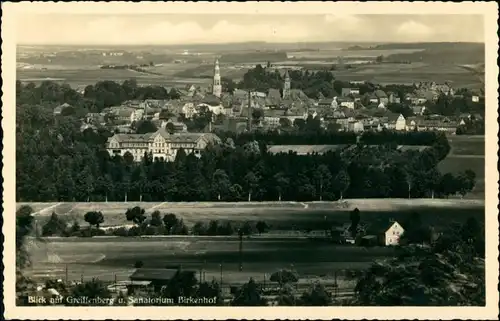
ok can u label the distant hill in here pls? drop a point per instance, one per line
(254, 56)
(441, 53)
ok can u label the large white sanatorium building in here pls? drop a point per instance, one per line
(161, 144)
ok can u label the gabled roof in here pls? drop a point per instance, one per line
(380, 93)
(274, 94)
(155, 274)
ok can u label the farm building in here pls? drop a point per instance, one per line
(393, 233)
(156, 277)
(387, 235)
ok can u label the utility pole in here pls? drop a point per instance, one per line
(240, 233)
(220, 265)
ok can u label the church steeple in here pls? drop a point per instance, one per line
(217, 86)
(286, 86)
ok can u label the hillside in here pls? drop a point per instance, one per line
(442, 53)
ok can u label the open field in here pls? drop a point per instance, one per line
(105, 257)
(81, 77)
(345, 53)
(467, 145)
(391, 73)
(280, 216)
(467, 152)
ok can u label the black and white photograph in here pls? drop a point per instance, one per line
(218, 158)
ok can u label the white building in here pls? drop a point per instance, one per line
(401, 123)
(136, 115)
(160, 143)
(393, 233)
(189, 110)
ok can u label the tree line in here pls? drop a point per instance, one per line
(58, 162)
(156, 224)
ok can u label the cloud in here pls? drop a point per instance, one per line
(347, 22)
(416, 30)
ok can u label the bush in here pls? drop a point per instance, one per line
(138, 264)
(199, 228)
(247, 228)
(121, 231)
(134, 231)
(284, 276)
(261, 227)
(180, 228)
(226, 229)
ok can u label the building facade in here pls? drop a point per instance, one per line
(160, 144)
(393, 233)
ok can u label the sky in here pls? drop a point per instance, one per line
(167, 29)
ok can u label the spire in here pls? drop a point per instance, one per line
(286, 86)
(217, 86)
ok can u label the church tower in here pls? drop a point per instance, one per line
(217, 86)
(286, 86)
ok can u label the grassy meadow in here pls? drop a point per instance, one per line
(280, 216)
(467, 152)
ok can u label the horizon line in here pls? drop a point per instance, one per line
(251, 42)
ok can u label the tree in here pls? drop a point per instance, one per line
(156, 219)
(136, 215)
(342, 181)
(247, 228)
(446, 275)
(183, 283)
(94, 218)
(250, 294)
(283, 277)
(24, 226)
(174, 94)
(355, 217)
(317, 296)
(285, 122)
(145, 126)
(220, 183)
(199, 228)
(180, 228)
(286, 296)
(261, 227)
(93, 290)
(213, 227)
(54, 226)
(252, 181)
(280, 182)
(210, 290)
(322, 176)
(169, 220)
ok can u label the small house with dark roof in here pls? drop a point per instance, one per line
(58, 110)
(382, 97)
(157, 277)
(349, 91)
